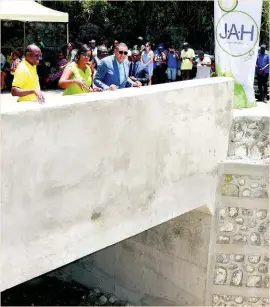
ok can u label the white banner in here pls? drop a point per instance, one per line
(237, 33)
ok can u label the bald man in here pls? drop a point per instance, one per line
(25, 84)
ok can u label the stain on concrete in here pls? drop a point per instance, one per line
(95, 216)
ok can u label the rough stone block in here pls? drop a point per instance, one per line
(228, 227)
(223, 258)
(254, 259)
(255, 239)
(248, 268)
(254, 281)
(239, 299)
(230, 190)
(240, 239)
(223, 240)
(263, 268)
(239, 258)
(220, 276)
(248, 212)
(236, 279)
(239, 220)
(261, 214)
(233, 212)
(263, 227)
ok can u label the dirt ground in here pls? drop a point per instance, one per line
(49, 291)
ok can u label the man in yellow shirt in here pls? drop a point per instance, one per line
(25, 84)
(187, 58)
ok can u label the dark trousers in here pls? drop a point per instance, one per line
(186, 74)
(262, 85)
(160, 74)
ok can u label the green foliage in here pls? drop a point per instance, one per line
(158, 21)
(167, 21)
(265, 23)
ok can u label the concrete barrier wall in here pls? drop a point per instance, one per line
(85, 172)
(164, 266)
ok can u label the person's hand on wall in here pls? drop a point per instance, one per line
(113, 87)
(81, 84)
(40, 96)
(137, 84)
(97, 89)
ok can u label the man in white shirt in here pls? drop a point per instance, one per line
(203, 66)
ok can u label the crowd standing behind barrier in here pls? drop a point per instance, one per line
(67, 70)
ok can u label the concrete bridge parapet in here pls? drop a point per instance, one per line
(84, 172)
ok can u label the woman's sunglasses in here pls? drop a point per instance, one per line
(89, 55)
(123, 52)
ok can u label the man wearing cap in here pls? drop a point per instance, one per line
(137, 70)
(112, 72)
(160, 64)
(262, 69)
(187, 58)
(92, 45)
(140, 46)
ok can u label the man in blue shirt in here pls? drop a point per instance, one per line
(262, 69)
(112, 71)
(172, 63)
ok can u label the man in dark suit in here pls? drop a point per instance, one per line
(138, 71)
(112, 72)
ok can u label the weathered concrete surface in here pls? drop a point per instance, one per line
(159, 267)
(84, 172)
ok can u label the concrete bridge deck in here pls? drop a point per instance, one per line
(84, 172)
(171, 148)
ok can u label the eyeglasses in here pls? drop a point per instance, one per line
(88, 55)
(123, 52)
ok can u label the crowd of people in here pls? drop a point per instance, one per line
(82, 68)
(90, 67)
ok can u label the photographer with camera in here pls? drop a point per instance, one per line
(187, 58)
(160, 62)
(172, 63)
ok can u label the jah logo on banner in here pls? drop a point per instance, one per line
(237, 31)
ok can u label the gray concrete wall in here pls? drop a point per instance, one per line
(165, 265)
(84, 172)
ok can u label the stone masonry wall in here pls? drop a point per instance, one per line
(249, 139)
(241, 262)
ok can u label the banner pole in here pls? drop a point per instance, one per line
(24, 37)
(67, 33)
